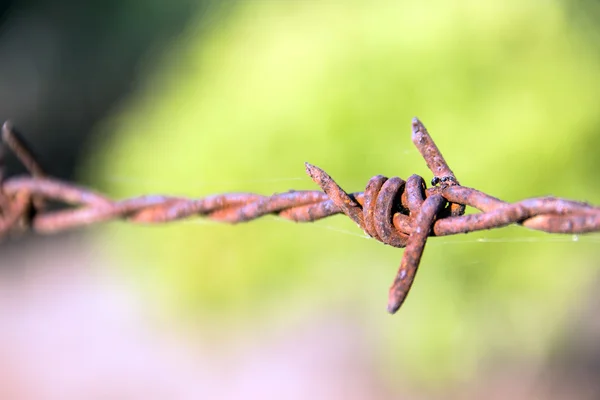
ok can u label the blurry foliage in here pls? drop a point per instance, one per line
(67, 64)
(508, 90)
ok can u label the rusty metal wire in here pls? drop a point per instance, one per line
(393, 211)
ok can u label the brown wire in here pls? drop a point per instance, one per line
(393, 211)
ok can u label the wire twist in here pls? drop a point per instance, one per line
(393, 211)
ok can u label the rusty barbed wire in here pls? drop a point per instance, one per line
(393, 211)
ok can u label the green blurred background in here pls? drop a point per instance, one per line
(237, 96)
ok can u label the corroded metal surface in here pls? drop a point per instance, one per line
(393, 211)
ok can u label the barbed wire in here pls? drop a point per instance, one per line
(393, 211)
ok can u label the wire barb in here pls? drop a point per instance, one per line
(393, 211)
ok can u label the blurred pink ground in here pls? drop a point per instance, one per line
(72, 328)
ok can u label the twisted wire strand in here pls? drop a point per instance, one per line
(393, 211)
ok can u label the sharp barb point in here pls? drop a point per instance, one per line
(392, 308)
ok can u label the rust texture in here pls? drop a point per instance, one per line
(393, 211)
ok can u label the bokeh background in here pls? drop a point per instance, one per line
(195, 98)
